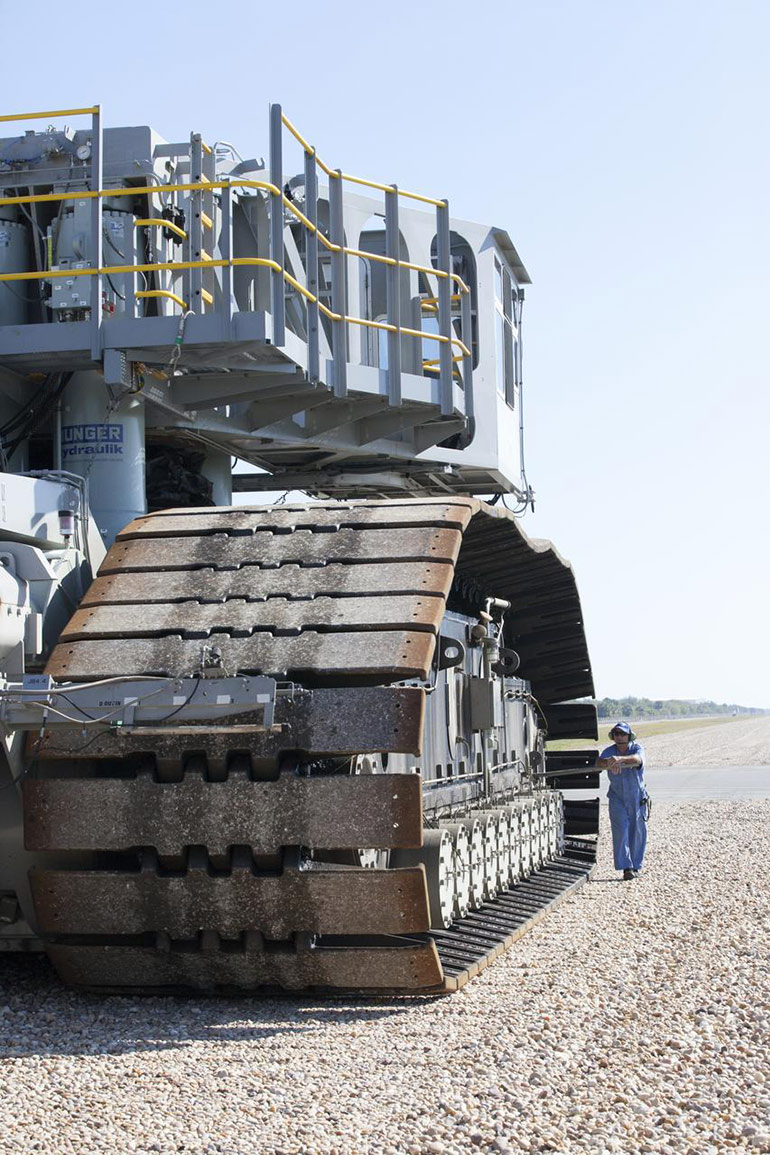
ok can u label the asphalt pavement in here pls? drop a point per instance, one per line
(699, 784)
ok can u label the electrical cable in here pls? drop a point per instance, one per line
(20, 417)
(88, 719)
(22, 296)
(176, 351)
(36, 419)
(186, 702)
(117, 293)
(27, 769)
(108, 238)
(103, 717)
(73, 687)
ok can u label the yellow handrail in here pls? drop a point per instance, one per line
(265, 262)
(434, 362)
(194, 186)
(161, 293)
(383, 260)
(45, 115)
(90, 194)
(387, 188)
(354, 179)
(307, 147)
(384, 325)
(144, 190)
(160, 223)
(207, 262)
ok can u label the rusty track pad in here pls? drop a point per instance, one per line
(411, 967)
(380, 810)
(345, 901)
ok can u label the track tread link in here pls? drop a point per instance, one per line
(286, 592)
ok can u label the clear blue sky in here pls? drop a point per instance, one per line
(625, 148)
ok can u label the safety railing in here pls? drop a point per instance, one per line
(214, 263)
(95, 172)
(442, 272)
(338, 315)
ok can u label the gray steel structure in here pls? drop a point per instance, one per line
(297, 347)
(234, 676)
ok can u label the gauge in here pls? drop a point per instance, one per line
(83, 151)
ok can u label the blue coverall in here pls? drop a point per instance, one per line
(626, 795)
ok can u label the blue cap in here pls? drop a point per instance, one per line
(624, 729)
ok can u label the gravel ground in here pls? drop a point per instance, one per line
(745, 742)
(635, 1019)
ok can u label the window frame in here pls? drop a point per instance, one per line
(506, 332)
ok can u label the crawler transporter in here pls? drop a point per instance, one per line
(298, 745)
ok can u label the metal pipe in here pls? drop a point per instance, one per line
(276, 225)
(339, 289)
(311, 268)
(96, 254)
(48, 115)
(393, 295)
(443, 253)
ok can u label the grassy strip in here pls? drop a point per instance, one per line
(643, 730)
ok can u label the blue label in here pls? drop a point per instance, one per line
(96, 439)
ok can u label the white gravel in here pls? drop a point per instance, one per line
(635, 1019)
(743, 742)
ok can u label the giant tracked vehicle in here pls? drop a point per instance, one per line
(296, 745)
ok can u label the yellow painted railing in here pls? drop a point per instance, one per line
(162, 293)
(266, 186)
(160, 223)
(334, 174)
(52, 115)
(235, 262)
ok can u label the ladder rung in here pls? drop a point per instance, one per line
(207, 297)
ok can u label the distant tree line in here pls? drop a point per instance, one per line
(665, 708)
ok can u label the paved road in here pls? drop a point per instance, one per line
(682, 784)
(700, 784)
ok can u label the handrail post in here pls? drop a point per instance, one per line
(311, 271)
(129, 281)
(339, 287)
(96, 232)
(276, 225)
(466, 327)
(226, 252)
(444, 260)
(393, 295)
(195, 225)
